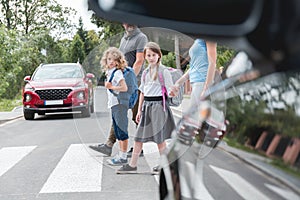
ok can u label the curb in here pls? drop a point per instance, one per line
(269, 173)
(10, 119)
(17, 114)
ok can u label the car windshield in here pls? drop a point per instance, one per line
(58, 72)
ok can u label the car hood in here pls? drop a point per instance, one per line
(53, 83)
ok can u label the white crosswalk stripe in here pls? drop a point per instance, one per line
(77, 171)
(240, 185)
(9, 156)
(152, 155)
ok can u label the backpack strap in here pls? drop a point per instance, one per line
(110, 80)
(163, 88)
(162, 84)
(126, 70)
(145, 73)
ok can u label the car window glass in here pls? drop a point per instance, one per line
(58, 72)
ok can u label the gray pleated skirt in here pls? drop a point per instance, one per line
(155, 125)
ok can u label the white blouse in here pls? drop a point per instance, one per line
(151, 87)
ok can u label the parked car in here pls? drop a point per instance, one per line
(58, 87)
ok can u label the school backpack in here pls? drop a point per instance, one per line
(128, 98)
(176, 74)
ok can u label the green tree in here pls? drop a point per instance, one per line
(19, 57)
(77, 49)
(91, 42)
(8, 62)
(65, 45)
(50, 49)
(30, 16)
(225, 55)
(108, 29)
(89, 38)
(82, 33)
(169, 60)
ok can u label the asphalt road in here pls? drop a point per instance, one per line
(49, 158)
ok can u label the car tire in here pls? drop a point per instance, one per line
(28, 115)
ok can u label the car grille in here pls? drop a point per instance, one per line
(53, 94)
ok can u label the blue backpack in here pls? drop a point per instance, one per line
(128, 98)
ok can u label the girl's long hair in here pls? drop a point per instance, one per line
(118, 57)
(156, 49)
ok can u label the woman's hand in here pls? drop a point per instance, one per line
(174, 90)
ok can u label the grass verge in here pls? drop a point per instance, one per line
(7, 105)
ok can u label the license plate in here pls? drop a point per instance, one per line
(54, 102)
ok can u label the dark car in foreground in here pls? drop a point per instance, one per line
(259, 93)
(58, 87)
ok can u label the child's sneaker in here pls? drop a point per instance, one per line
(126, 169)
(116, 161)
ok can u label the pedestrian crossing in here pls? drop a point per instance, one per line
(79, 171)
(9, 156)
(243, 187)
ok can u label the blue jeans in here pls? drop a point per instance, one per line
(120, 121)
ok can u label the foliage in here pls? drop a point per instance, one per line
(65, 45)
(32, 16)
(77, 49)
(169, 60)
(82, 33)
(279, 163)
(224, 55)
(91, 42)
(7, 105)
(109, 29)
(8, 62)
(92, 61)
(265, 107)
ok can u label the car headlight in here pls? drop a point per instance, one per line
(27, 97)
(80, 95)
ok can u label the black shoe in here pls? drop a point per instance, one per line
(102, 148)
(129, 153)
(126, 169)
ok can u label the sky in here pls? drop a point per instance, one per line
(81, 7)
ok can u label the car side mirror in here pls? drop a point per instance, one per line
(27, 78)
(90, 75)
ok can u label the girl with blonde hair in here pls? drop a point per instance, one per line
(155, 120)
(114, 63)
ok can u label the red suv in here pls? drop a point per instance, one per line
(59, 87)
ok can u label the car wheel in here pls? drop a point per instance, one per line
(28, 115)
(86, 112)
